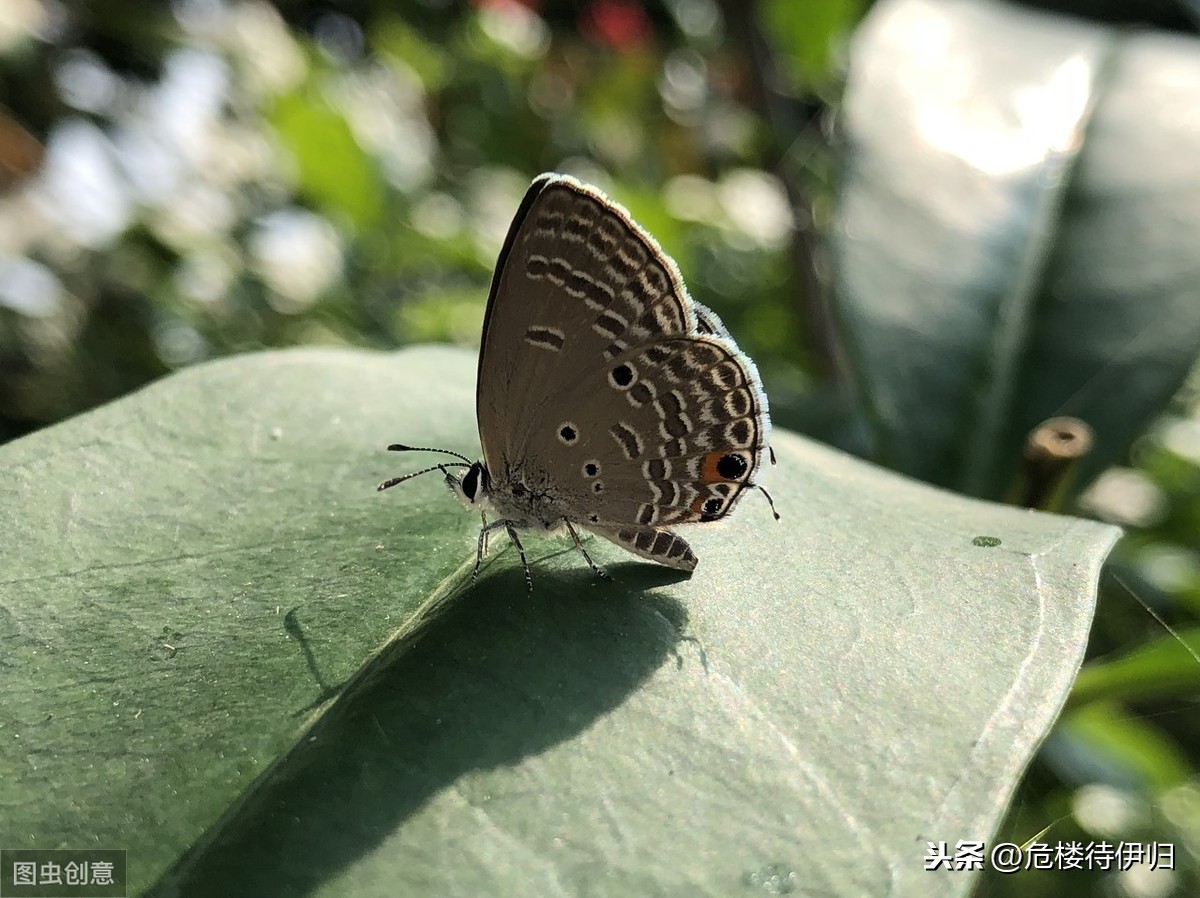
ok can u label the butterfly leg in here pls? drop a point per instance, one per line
(596, 569)
(481, 547)
(512, 534)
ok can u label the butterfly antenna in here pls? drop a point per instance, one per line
(387, 484)
(400, 447)
(770, 501)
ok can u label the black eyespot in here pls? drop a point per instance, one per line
(591, 469)
(731, 466)
(598, 487)
(568, 434)
(594, 518)
(621, 376)
(712, 506)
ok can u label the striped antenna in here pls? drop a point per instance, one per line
(387, 484)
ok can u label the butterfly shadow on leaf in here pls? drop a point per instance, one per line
(499, 676)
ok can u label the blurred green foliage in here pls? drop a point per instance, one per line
(215, 177)
(182, 182)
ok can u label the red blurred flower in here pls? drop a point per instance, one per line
(620, 24)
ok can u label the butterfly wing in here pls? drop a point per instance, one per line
(600, 378)
(655, 543)
(578, 283)
(707, 322)
(672, 431)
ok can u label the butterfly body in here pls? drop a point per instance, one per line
(607, 399)
(526, 499)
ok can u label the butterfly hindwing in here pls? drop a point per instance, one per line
(656, 543)
(669, 432)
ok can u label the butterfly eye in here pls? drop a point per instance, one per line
(470, 483)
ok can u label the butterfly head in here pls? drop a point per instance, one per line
(472, 487)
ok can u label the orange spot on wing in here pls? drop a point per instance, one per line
(708, 468)
(709, 472)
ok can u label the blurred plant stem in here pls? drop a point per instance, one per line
(790, 120)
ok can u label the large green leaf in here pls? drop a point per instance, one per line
(223, 650)
(1016, 236)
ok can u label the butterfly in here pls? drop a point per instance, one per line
(607, 399)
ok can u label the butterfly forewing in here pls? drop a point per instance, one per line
(577, 284)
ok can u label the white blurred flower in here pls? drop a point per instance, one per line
(1181, 808)
(188, 99)
(385, 108)
(683, 83)
(1105, 811)
(515, 27)
(206, 274)
(298, 255)
(756, 206)
(494, 193)
(1139, 881)
(692, 198)
(696, 18)
(438, 216)
(84, 81)
(21, 20)
(198, 211)
(80, 188)
(179, 344)
(269, 57)
(165, 143)
(29, 288)
(1168, 568)
(1125, 496)
(1180, 436)
(617, 139)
